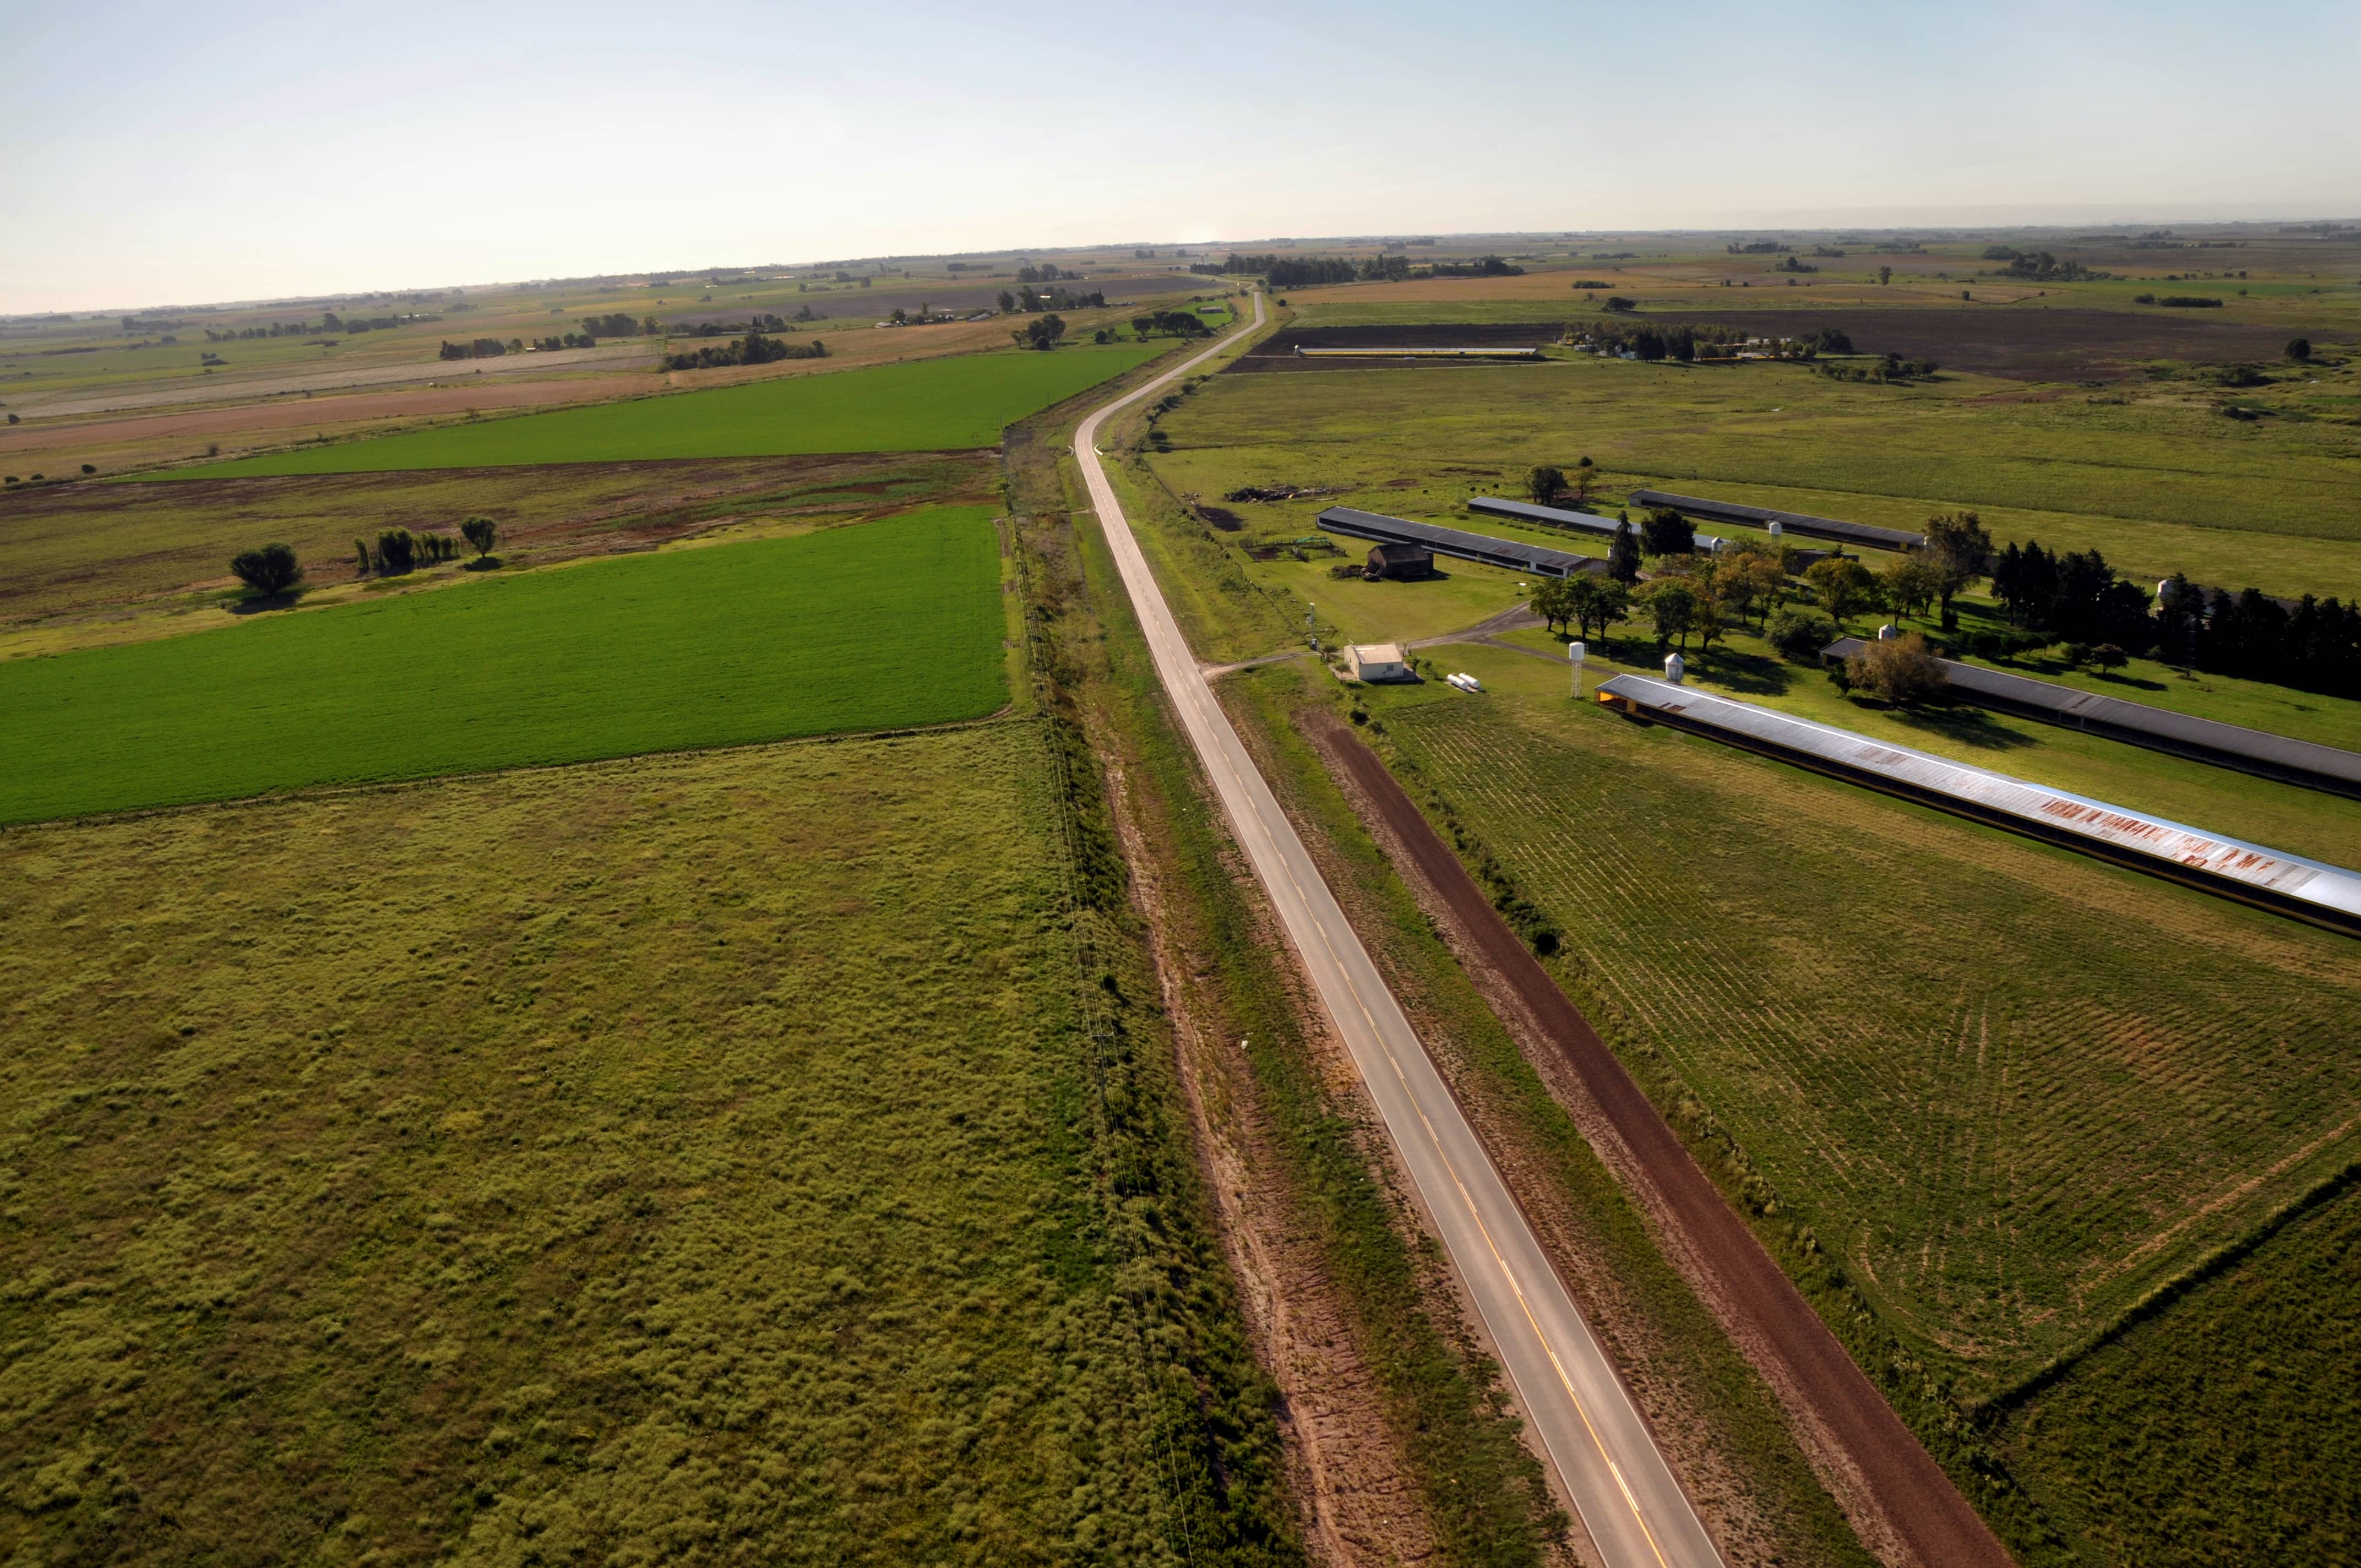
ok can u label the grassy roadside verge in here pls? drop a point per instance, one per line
(1707, 1404)
(1483, 1492)
(1225, 615)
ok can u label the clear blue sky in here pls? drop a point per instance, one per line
(153, 154)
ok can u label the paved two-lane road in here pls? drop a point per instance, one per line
(1595, 1438)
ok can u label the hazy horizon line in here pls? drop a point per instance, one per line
(1954, 223)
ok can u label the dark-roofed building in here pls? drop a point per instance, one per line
(1558, 517)
(1788, 521)
(1513, 554)
(2257, 751)
(1399, 562)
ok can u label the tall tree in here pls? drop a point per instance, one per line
(1908, 584)
(1553, 600)
(1623, 555)
(1597, 602)
(1583, 481)
(1842, 587)
(1666, 532)
(1543, 484)
(1672, 610)
(270, 571)
(1959, 550)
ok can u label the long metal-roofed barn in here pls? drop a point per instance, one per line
(1513, 554)
(2304, 762)
(1502, 352)
(2310, 891)
(1558, 517)
(1789, 521)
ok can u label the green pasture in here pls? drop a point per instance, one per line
(2152, 474)
(888, 624)
(917, 406)
(1998, 1079)
(2247, 1396)
(2260, 810)
(76, 560)
(626, 1163)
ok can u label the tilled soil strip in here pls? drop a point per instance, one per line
(1919, 1504)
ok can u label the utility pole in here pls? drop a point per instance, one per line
(1311, 628)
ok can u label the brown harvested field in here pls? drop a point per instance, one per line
(2026, 342)
(87, 564)
(117, 443)
(394, 365)
(1277, 352)
(862, 307)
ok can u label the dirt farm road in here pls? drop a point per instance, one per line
(1593, 1436)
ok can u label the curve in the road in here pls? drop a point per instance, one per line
(1595, 1438)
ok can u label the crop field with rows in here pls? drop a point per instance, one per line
(680, 1161)
(2013, 1089)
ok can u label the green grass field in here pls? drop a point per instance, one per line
(921, 406)
(686, 1160)
(2260, 1363)
(2011, 1088)
(2150, 475)
(96, 563)
(889, 623)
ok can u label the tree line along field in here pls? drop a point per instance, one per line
(683, 1159)
(2155, 477)
(918, 406)
(893, 622)
(2009, 1091)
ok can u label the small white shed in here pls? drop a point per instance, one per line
(1377, 662)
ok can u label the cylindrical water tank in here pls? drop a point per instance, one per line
(1575, 650)
(1674, 668)
(1778, 532)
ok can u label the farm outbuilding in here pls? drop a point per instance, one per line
(1558, 517)
(1399, 562)
(1513, 554)
(2257, 751)
(1790, 522)
(1378, 662)
(2309, 890)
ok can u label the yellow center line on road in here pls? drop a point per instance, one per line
(1255, 818)
(1476, 1216)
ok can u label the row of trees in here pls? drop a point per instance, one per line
(330, 322)
(1027, 298)
(273, 569)
(619, 325)
(1041, 333)
(1688, 341)
(1305, 271)
(2316, 646)
(2075, 597)
(1177, 324)
(752, 349)
(401, 550)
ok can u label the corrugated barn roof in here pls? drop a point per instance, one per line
(1793, 521)
(1514, 554)
(2310, 889)
(2259, 751)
